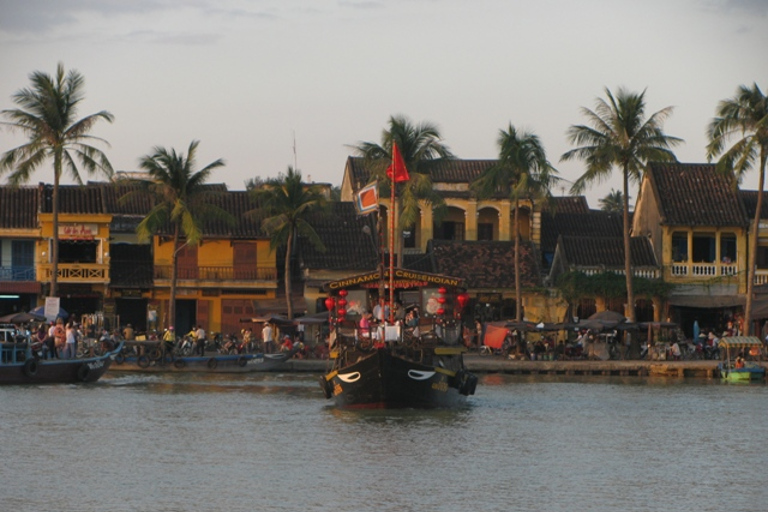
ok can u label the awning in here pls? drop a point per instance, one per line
(707, 301)
(20, 287)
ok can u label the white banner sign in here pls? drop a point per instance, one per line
(52, 307)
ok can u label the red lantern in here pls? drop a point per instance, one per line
(341, 313)
(462, 299)
(342, 303)
(441, 300)
(440, 311)
(441, 290)
(330, 303)
(342, 293)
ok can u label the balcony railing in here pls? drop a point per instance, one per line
(218, 273)
(699, 270)
(77, 273)
(17, 273)
(647, 273)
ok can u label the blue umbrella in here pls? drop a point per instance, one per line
(40, 310)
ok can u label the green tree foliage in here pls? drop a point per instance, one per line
(182, 201)
(743, 119)
(618, 135)
(47, 116)
(522, 172)
(289, 205)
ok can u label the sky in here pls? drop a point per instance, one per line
(267, 84)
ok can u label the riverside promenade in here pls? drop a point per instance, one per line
(496, 364)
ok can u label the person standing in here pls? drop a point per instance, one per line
(267, 336)
(200, 337)
(70, 350)
(59, 337)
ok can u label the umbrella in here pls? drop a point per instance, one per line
(40, 311)
(608, 316)
(21, 318)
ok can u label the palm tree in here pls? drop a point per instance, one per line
(417, 144)
(181, 199)
(619, 135)
(47, 115)
(522, 171)
(744, 117)
(613, 202)
(289, 204)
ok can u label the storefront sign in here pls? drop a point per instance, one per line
(78, 231)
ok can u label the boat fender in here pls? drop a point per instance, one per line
(120, 358)
(30, 368)
(212, 363)
(179, 363)
(469, 385)
(83, 372)
(242, 361)
(143, 361)
(327, 387)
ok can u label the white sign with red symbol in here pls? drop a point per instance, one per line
(78, 231)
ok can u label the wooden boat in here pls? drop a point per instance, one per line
(401, 368)
(219, 363)
(20, 365)
(734, 367)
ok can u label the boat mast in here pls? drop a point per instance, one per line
(392, 209)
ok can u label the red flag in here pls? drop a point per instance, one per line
(398, 166)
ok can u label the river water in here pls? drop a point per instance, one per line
(271, 442)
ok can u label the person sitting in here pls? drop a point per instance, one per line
(739, 362)
(287, 344)
(674, 351)
(169, 339)
(365, 325)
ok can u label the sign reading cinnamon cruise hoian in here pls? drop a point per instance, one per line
(402, 279)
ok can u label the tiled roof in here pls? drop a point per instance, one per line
(420, 261)
(18, 207)
(72, 199)
(241, 205)
(485, 264)
(348, 246)
(749, 198)
(593, 223)
(441, 170)
(606, 251)
(569, 204)
(118, 202)
(696, 195)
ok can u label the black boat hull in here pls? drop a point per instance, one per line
(14, 370)
(383, 379)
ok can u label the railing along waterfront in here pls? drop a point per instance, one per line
(219, 273)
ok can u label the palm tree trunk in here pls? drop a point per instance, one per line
(627, 253)
(753, 246)
(288, 251)
(174, 278)
(518, 286)
(55, 210)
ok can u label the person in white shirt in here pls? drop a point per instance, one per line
(267, 336)
(200, 336)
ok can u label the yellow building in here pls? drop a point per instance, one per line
(698, 227)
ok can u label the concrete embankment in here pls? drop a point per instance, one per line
(496, 364)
